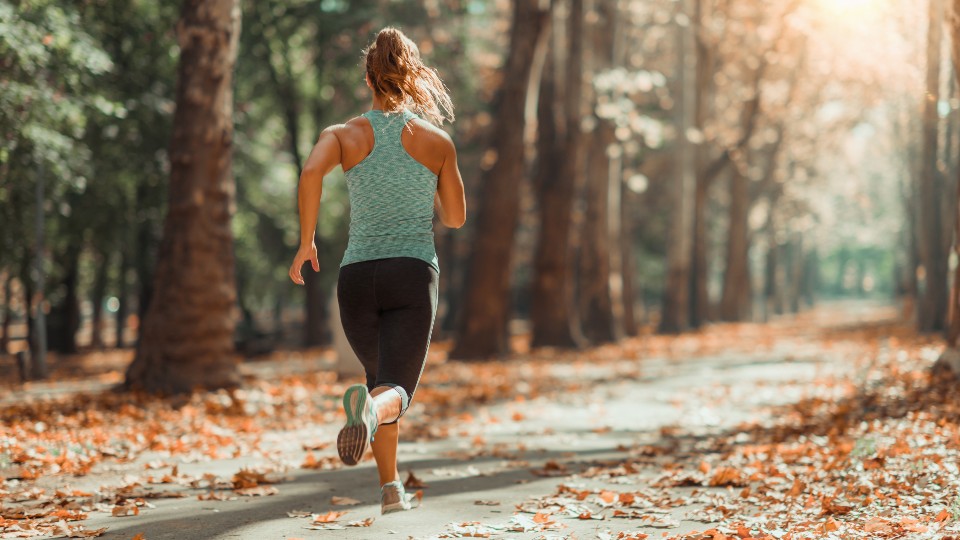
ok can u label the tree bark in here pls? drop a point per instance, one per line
(628, 270)
(600, 309)
(675, 315)
(66, 316)
(554, 322)
(482, 330)
(7, 312)
(735, 304)
(700, 270)
(96, 298)
(123, 304)
(146, 260)
(596, 302)
(932, 305)
(187, 334)
(953, 333)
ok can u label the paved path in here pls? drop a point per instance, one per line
(490, 454)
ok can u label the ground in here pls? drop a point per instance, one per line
(816, 426)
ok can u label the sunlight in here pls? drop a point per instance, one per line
(848, 8)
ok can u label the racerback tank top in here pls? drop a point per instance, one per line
(391, 198)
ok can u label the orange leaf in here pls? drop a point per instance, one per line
(829, 525)
(540, 517)
(608, 496)
(329, 517)
(125, 510)
(413, 482)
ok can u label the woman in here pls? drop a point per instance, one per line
(399, 169)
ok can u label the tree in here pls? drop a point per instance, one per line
(482, 329)
(600, 304)
(950, 359)
(932, 307)
(675, 315)
(187, 334)
(559, 164)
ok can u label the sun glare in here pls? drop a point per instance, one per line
(848, 8)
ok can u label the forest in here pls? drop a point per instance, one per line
(645, 179)
(725, 162)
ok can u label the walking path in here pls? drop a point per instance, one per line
(598, 453)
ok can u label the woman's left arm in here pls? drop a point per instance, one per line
(323, 158)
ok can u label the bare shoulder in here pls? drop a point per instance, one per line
(352, 129)
(432, 135)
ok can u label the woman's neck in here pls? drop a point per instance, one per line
(377, 103)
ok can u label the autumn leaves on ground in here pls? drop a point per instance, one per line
(863, 444)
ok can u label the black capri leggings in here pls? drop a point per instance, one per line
(387, 307)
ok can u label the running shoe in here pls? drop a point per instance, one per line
(394, 498)
(361, 424)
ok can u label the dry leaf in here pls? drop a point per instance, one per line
(329, 517)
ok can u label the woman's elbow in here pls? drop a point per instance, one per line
(455, 222)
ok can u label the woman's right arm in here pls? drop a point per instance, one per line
(323, 158)
(451, 201)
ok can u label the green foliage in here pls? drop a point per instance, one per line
(48, 95)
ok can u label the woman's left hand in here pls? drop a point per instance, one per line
(304, 254)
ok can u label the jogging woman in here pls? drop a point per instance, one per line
(399, 168)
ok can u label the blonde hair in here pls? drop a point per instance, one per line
(400, 78)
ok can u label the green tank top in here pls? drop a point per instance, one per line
(391, 198)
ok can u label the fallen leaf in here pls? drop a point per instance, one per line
(258, 491)
(122, 510)
(412, 482)
(329, 517)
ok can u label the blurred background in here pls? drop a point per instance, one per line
(631, 166)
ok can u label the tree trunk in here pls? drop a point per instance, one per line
(65, 318)
(797, 259)
(187, 334)
(932, 305)
(735, 304)
(28, 308)
(628, 270)
(596, 302)
(600, 309)
(554, 322)
(675, 316)
(705, 72)
(96, 298)
(482, 330)
(953, 334)
(771, 266)
(7, 312)
(123, 297)
(145, 261)
(699, 269)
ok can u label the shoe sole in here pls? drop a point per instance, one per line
(395, 507)
(354, 436)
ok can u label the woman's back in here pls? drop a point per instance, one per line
(391, 191)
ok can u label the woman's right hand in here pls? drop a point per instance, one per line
(304, 254)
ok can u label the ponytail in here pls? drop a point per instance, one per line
(400, 79)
